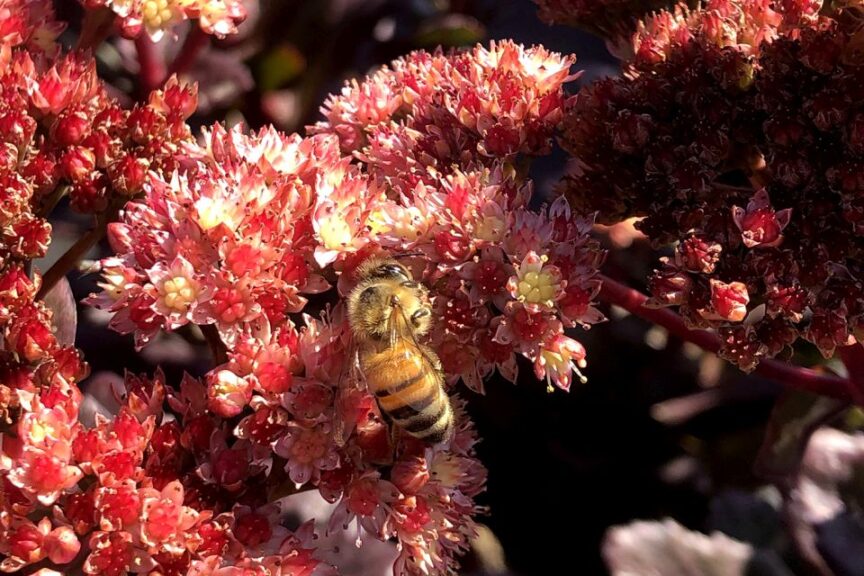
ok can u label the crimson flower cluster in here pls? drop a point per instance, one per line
(140, 492)
(442, 135)
(736, 134)
(155, 17)
(34, 366)
(135, 493)
(417, 161)
(65, 136)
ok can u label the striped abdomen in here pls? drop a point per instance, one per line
(409, 390)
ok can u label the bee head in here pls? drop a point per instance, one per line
(387, 299)
(383, 269)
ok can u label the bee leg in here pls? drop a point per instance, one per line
(394, 439)
(392, 433)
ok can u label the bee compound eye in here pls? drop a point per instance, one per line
(368, 295)
(394, 271)
(419, 314)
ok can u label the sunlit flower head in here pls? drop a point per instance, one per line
(156, 17)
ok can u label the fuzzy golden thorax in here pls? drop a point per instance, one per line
(387, 303)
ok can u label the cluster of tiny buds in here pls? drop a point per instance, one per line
(765, 221)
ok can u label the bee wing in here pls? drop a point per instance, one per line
(425, 351)
(350, 378)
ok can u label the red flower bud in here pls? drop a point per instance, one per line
(41, 170)
(17, 128)
(103, 147)
(759, 224)
(668, 287)
(77, 164)
(827, 330)
(729, 301)
(274, 378)
(128, 174)
(16, 290)
(144, 124)
(452, 248)
(631, 132)
(698, 255)
(176, 99)
(25, 542)
(29, 237)
(231, 468)
(252, 529)
(72, 129)
(90, 195)
(80, 509)
(196, 434)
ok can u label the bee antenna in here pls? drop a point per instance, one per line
(407, 255)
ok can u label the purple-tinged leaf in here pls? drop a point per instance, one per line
(794, 418)
(61, 302)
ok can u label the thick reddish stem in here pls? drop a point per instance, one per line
(72, 257)
(152, 68)
(853, 359)
(195, 41)
(217, 347)
(633, 301)
(97, 26)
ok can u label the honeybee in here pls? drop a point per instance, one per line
(388, 313)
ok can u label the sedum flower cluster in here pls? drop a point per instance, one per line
(156, 17)
(257, 230)
(254, 238)
(446, 137)
(64, 136)
(142, 492)
(736, 134)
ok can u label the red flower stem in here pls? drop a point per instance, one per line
(152, 69)
(853, 359)
(195, 41)
(97, 25)
(50, 202)
(72, 256)
(633, 301)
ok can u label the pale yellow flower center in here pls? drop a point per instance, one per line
(555, 360)
(490, 229)
(179, 293)
(38, 432)
(215, 211)
(537, 287)
(157, 13)
(335, 233)
(406, 224)
(227, 384)
(377, 222)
